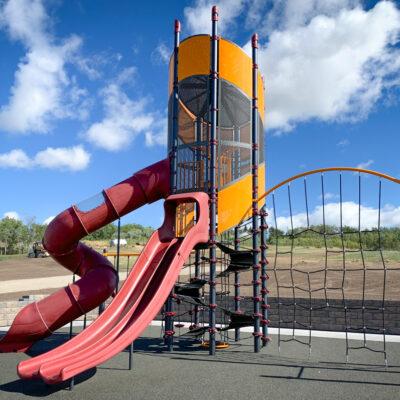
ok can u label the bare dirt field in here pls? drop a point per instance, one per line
(27, 268)
(15, 268)
(314, 272)
(306, 271)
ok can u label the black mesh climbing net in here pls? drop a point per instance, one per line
(335, 265)
(329, 261)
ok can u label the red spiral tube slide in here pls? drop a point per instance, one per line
(98, 277)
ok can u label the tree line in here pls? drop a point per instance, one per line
(16, 237)
(133, 233)
(319, 236)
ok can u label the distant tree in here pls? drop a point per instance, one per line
(136, 232)
(105, 233)
(35, 230)
(14, 234)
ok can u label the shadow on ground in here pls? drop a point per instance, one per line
(37, 388)
(271, 365)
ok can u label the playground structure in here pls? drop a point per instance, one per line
(207, 267)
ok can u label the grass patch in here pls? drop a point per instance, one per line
(5, 257)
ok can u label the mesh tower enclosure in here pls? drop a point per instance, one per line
(233, 134)
(334, 257)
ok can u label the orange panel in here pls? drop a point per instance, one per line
(194, 57)
(235, 66)
(184, 219)
(235, 200)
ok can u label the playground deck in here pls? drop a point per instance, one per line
(236, 373)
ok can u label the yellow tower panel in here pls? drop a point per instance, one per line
(235, 65)
(234, 201)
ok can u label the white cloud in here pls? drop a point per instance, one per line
(158, 135)
(15, 159)
(335, 68)
(63, 158)
(161, 54)
(390, 216)
(287, 14)
(48, 220)
(72, 158)
(365, 165)
(329, 196)
(125, 119)
(126, 76)
(198, 17)
(343, 143)
(12, 215)
(325, 60)
(42, 88)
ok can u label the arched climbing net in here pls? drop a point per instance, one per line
(335, 265)
(333, 253)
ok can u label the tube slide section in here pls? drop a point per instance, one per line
(129, 295)
(98, 277)
(141, 309)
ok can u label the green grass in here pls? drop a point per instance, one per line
(11, 257)
(311, 253)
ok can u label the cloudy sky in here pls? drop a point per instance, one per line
(83, 91)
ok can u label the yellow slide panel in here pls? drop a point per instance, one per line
(235, 200)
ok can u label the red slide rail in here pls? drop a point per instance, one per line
(98, 277)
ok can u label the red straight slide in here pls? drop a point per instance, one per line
(98, 277)
(136, 304)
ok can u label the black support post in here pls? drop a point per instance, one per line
(255, 214)
(169, 308)
(71, 324)
(130, 358)
(196, 276)
(264, 279)
(175, 109)
(118, 251)
(237, 286)
(213, 176)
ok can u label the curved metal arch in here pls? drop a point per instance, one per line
(321, 170)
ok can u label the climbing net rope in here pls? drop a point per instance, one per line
(330, 242)
(335, 266)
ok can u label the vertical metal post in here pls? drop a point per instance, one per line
(264, 279)
(175, 109)
(169, 312)
(130, 360)
(118, 250)
(197, 276)
(237, 285)
(198, 177)
(213, 175)
(236, 138)
(255, 214)
(199, 182)
(71, 324)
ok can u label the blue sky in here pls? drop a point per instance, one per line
(83, 90)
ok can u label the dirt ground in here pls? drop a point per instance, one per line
(22, 267)
(27, 268)
(307, 271)
(310, 271)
